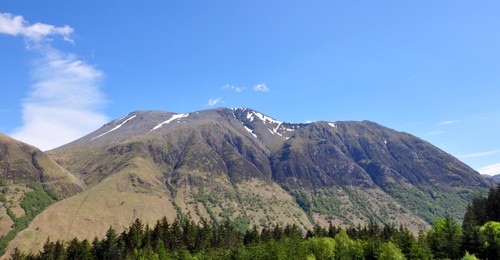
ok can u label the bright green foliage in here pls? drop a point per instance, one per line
(320, 247)
(421, 249)
(345, 248)
(187, 240)
(479, 227)
(390, 251)
(491, 236)
(469, 257)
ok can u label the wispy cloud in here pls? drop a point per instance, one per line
(233, 88)
(261, 88)
(449, 122)
(480, 154)
(214, 101)
(63, 102)
(490, 170)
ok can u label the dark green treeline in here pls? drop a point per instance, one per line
(477, 237)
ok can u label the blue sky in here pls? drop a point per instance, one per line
(430, 68)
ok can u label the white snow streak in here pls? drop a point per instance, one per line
(174, 117)
(275, 130)
(265, 118)
(114, 128)
(250, 116)
(250, 131)
(332, 125)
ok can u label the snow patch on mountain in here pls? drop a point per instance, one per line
(114, 128)
(266, 119)
(174, 117)
(250, 131)
(275, 130)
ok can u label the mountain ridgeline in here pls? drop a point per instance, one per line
(248, 167)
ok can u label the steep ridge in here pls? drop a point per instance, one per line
(246, 166)
(20, 162)
(371, 158)
(495, 178)
(202, 165)
(29, 182)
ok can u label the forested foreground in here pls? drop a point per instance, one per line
(477, 238)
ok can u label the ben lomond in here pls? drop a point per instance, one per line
(229, 163)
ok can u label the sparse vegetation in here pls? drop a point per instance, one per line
(33, 202)
(430, 205)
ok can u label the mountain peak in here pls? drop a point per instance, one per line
(243, 164)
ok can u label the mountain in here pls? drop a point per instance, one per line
(29, 181)
(495, 178)
(244, 165)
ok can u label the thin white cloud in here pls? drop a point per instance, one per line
(490, 170)
(63, 102)
(33, 34)
(449, 122)
(233, 88)
(480, 154)
(214, 101)
(261, 88)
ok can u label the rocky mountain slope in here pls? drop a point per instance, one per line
(29, 181)
(495, 178)
(244, 165)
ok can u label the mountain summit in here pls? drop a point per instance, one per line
(244, 165)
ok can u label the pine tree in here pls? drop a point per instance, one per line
(277, 232)
(189, 234)
(109, 248)
(48, 251)
(203, 236)
(251, 236)
(79, 250)
(174, 238)
(135, 235)
(493, 205)
(445, 238)
(17, 255)
(404, 240)
(293, 232)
